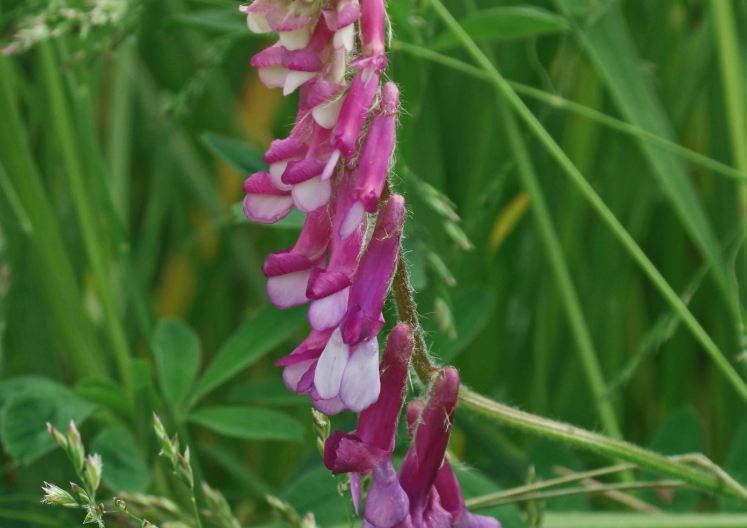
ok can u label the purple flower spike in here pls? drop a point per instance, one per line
(374, 160)
(369, 289)
(426, 454)
(453, 501)
(347, 453)
(354, 111)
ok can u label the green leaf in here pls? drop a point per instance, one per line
(237, 154)
(682, 432)
(248, 423)
(316, 491)
(505, 23)
(124, 468)
(270, 391)
(24, 415)
(176, 350)
(472, 308)
(216, 20)
(107, 393)
(294, 220)
(257, 337)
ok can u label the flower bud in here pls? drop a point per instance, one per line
(80, 492)
(147, 524)
(95, 515)
(183, 470)
(57, 496)
(93, 471)
(120, 505)
(308, 521)
(58, 436)
(75, 447)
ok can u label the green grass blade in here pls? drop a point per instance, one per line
(717, 356)
(573, 310)
(609, 46)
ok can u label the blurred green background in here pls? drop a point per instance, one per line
(127, 127)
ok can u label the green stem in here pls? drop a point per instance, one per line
(637, 520)
(556, 101)
(488, 501)
(573, 310)
(731, 74)
(66, 135)
(196, 509)
(596, 202)
(596, 442)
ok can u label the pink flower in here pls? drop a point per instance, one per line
(348, 365)
(369, 448)
(373, 165)
(288, 270)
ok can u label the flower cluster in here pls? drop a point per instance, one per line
(329, 169)
(333, 171)
(426, 493)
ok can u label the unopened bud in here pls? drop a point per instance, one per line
(75, 447)
(58, 436)
(439, 267)
(93, 471)
(458, 236)
(146, 524)
(120, 505)
(80, 492)
(445, 318)
(57, 496)
(183, 470)
(94, 515)
(158, 426)
(308, 521)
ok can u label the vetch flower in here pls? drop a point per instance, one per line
(452, 500)
(292, 22)
(347, 368)
(288, 270)
(265, 203)
(342, 21)
(373, 165)
(369, 448)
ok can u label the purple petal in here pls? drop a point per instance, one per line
(329, 407)
(271, 56)
(301, 60)
(348, 14)
(377, 425)
(261, 183)
(470, 520)
(345, 453)
(386, 503)
(373, 15)
(284, 262)
(353, 113)
(327, 312)
(331, 366)
(326, 282)
(376, 267)
(284, 20)
(293, 374)
(286, 291)
(302, 170)
(360, 382)
(283, 149)
(321, 92)
(355, 491)
(434, 515)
